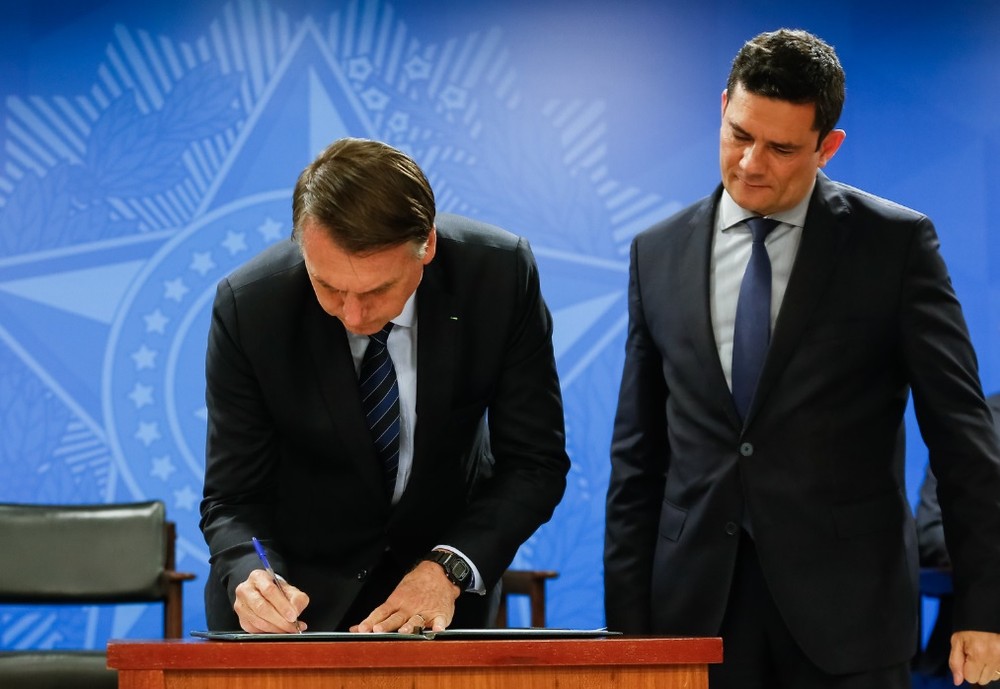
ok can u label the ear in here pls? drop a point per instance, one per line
(431, 247)
(725, 100)
(830, 145)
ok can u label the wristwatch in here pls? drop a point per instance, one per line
(455, 568)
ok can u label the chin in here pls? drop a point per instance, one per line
(357, 330)
(752, 199)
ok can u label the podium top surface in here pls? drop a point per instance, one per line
(205, 654)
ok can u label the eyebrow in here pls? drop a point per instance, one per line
(776, 144)
(384, 286)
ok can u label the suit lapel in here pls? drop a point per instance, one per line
(695, 295)
(438, 343)
(823, 239)
(331, 355)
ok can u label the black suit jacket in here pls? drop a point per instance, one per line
(930, 530)
(290, 459)
(868, 315)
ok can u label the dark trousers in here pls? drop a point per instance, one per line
(759, 651)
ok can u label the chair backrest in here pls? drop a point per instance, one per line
(84, 554)
(110, 553)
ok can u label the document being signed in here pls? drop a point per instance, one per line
(428, 635)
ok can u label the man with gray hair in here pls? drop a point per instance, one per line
(384, 414)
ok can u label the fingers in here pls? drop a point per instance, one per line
(956, 660)
(259, 622)
(988, 675)
(975, 657)
(414, 625)
(439, 623)
(391, 623)
(400, 622)
(264, 607)
(423, 599)
(382, 619)
(984, 676)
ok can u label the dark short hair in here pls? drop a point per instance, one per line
(795, 66)
(366, 194)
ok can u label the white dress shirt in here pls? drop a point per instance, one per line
(731, 244)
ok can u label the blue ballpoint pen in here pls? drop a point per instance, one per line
(267, 566)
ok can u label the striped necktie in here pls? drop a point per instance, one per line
(380, 402)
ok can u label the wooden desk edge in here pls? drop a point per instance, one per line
(203, 654)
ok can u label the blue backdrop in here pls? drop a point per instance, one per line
(149, 148)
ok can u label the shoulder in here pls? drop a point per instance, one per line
(272, 284)
(680, 226)
(465, 234)
(472, 255)
(280, 262)
(465, 246)
(861, 204)
(888, 233)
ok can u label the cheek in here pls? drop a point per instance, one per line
(331, 303)
(388, 306)
(730, 156)
(796, 179)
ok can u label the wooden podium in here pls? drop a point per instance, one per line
(620, 662)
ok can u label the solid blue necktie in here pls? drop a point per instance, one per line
(380, 402)
(752, 331)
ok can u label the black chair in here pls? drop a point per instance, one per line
(525, 582)
(84, 555)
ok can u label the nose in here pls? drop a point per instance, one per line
(353, 313)
(751, 161)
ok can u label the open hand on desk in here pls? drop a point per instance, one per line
(266, 608)
(424, 599)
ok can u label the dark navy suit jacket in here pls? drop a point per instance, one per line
(869, 315)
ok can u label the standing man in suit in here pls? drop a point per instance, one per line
(393, 517)
(756, 489)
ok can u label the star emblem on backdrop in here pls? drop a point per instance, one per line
(176, 166)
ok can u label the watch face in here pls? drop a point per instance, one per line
(459, 569)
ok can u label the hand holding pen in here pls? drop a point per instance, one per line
(261, 599)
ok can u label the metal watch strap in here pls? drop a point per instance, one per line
(455, 567)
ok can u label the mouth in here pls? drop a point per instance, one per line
(752, 185)
(363, 329)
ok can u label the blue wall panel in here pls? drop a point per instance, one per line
(149, 148)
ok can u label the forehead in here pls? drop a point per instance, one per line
(770, 118)
(332, 266)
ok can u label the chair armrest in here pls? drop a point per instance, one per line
(172, 576)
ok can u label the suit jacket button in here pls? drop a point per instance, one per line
(362, 574)
(746, 449)
(732, 528)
